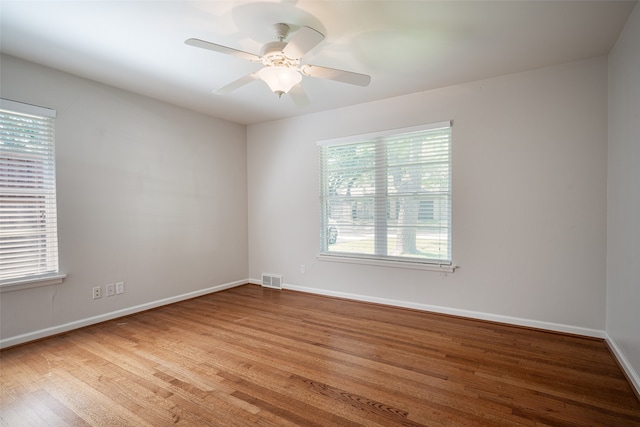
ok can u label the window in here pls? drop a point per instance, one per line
(28, 225)
(387, 196)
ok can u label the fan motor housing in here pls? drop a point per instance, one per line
(272, 55)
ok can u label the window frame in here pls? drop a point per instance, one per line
(51, 274)
(382, 198)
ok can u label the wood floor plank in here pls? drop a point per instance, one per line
(250, 356)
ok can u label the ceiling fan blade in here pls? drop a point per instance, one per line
(337, 75)
(222, 49)
(224, 90)
(299, 96)
(305, 39)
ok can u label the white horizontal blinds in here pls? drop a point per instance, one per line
(389, 197)
(28, 235)
(418, 184)
(348, 194)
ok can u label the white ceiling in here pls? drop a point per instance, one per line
(405, 46)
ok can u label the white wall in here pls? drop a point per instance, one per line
(148, 193)
(623, 220)
(529, 199)
(156, 196)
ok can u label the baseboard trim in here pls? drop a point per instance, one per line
(54, 330)
(537, 324)
(627, 368)
(632, 375)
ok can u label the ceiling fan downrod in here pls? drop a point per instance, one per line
(281, 30)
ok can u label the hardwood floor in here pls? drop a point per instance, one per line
(253, 356)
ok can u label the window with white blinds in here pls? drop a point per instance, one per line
(28, 225)
(387, 196)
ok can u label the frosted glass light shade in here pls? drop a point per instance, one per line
(280, 79)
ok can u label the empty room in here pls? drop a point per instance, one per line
(319, 213)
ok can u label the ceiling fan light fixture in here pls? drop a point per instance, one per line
(280, 79)
(282, 70)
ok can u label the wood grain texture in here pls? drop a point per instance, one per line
(254, 356)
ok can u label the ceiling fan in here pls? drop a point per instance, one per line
(282, 70)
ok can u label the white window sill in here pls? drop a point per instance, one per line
(31, 282)
(389, 263)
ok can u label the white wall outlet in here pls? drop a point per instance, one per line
(303, 269)
(97, 292)
(111, 289)
(120, 288)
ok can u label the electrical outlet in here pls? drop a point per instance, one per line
(111, 289)
(302, 269)
(120, 288)
(97, 292)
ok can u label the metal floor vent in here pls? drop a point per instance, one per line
(271, 281)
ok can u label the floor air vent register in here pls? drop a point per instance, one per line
(272, 281)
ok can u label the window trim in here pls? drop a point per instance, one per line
(34, 280)
(444, 265)
(382, 134)
(20, 107)
(31, 282)
(391, 262)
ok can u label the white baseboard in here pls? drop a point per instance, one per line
(54, 330)
(549, 326)
(631, 373)
(633, 376)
